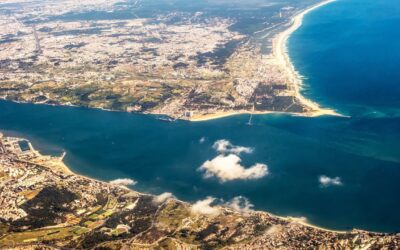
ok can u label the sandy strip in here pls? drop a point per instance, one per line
(223, 114)
(281, 56)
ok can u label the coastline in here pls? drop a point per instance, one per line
(111, 216)
(281, 55)
(223, 114)
(57, 163)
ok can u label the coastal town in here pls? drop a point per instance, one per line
(181, 64)
(43, 205)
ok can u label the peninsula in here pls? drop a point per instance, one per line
(192, 65)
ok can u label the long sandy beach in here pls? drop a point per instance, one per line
(281, 56)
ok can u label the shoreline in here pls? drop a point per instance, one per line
(93, 215)
(222, 114)
(280, 53)
(58, 164)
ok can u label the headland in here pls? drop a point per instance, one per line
(186, 68)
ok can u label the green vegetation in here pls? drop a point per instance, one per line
(172, 215)
(41, 235)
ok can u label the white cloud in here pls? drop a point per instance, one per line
(202, 140)
(326, 181)
(240, 204)
(228, 168)
(123, 182)
(226, 147)
(204, 207)
(163, 197)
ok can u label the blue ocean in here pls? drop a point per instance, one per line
(349, 55)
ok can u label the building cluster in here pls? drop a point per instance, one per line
(41, 10)
(171, 64)
(25, 172)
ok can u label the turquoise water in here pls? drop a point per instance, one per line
(349, 55)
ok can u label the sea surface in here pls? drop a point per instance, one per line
(349, 55)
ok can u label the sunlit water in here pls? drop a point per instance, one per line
(348, 51)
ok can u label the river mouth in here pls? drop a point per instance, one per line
(362, 151)
(165, 157)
